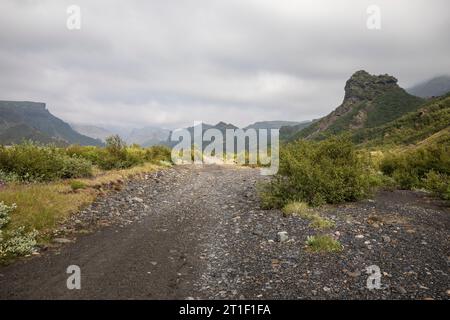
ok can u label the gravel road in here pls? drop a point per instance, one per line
(198, 233)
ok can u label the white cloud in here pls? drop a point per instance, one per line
(172, 62)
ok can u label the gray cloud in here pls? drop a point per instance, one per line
(169, 63)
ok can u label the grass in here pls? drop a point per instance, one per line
(43, 206)
(322, 223)
(76, 185)
(298, 208)
(323, 243)
(303, 210)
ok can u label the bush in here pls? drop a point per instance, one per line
(422, 167)
(15, 242)
(76, 185)
(330, 171)
(156, 154)
(5, 210)
(31, 162)
(438, 184)
(117, 156)
(323, 243)
(18, 243)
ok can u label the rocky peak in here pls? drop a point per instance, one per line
(364, 86)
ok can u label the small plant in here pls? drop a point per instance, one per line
(323, 243)
(5, 210)
(18, 242)
(301, 209)
(322, 223)
(15, 242)
(438, 184)
(76, 185)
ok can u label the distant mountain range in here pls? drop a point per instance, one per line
(374, 108)
(432, 88)
(92, 131)
(23, 120)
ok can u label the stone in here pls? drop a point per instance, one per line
(282, 236)
(359, 236)
(386, 239)
(61, 240)
(136, 199)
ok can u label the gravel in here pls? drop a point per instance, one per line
(199, 233)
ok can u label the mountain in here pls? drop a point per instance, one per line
(92, 131)
(432, 88)
(21, 120)
(147, 136)
(369, 101)
(288, 132)
(276, 124)
(221, 126)
(430, 122)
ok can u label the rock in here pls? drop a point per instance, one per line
(282, 236)
(400, 289)
(359, 236)
(448, 292)
(354, 274)
(61, 240)
(326, 289)
(136, 199)
(386, 239)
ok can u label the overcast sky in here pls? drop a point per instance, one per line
(168, 63)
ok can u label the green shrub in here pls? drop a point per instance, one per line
(5, 210)
(438, 184)
(31, 162)
(330, 171)
(76, 185)
(116, 155)
(323, 243)
(322, 223)
(156, 154)
(15, 242)
(298, 208)
(18, 243)
(422, 167)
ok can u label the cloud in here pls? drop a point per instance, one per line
(168, 63)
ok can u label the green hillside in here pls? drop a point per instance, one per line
(429, 120)
(369, 101)
(21, 120)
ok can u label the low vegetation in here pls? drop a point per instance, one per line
(329, 171)
(323, 243)
(42, 185)
(422, 167)
(14, 242)
(304, 211)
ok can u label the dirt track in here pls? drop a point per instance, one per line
(199, 233)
